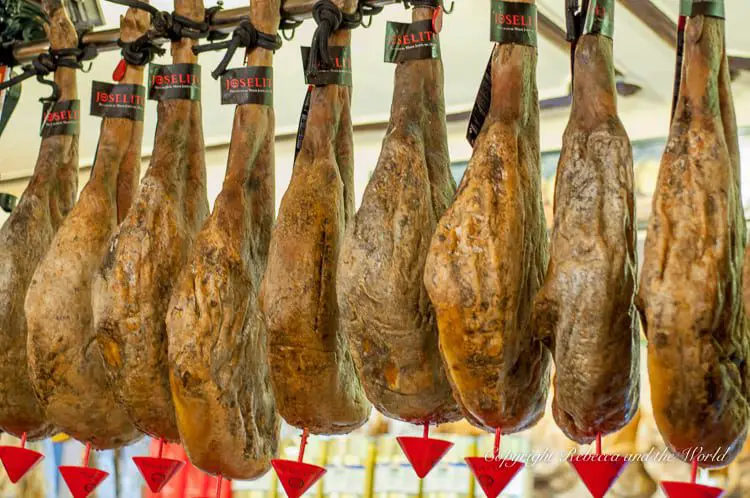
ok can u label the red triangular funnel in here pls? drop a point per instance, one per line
(157, 471)
(598, 472)
(18, 461)
(82, 481)
(688, 490)
(423, 453)
(493, 475)
(297, 477)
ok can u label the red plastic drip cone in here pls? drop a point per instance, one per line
(18, 461)
(690, 490)
(297, 477)
(423, 453)
(157, 471)
(493, 475)
(82, 481)
(598, 472)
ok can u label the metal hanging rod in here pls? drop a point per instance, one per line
(104, 40)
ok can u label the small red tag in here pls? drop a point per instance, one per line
(119, 72)
(437, 20)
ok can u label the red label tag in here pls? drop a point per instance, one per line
(119, 72)
(437, 20)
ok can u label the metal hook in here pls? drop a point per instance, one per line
(446, 10)
(289, 25)
(290, 36)
(55, 89)
(368, 11)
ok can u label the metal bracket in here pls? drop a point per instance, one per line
(85, 14)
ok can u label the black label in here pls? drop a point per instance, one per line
(174, 81)
(247, 85)
(408, 42)
(339, 74)
(303, 122)
(481, 106)
(117, 101)
(62, 118)
(712, 8)
(600, 18)
(513, 22)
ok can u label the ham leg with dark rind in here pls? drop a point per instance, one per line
(385, 311)
(133, 288)
(586, 307)
(24, 239)
(690, 297)
(218, 355)
(312, 371)
(64, 358)
(488, 256)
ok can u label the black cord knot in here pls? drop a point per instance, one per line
(141, 51)
(44, 65)
(245, 35)
(329, 19)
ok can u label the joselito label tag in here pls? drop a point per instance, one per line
(713, 8)
(247, 85)
(339, 74)
(481, 106)
(63, 118)
(513, 22)
(407, 42)
(600, 18)
(174, 81)
(117, 101)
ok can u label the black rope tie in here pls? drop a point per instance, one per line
(245, 35)
(141, 51)
(174, 26)
(48, 62)
(329, 19)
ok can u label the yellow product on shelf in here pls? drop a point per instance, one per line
(60, 438)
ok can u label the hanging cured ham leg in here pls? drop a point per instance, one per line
(24, 240)
(312, 371)
(385, 311)
(586, 310)
(488, 256)
(690, 298)
(217, 337)
(133, 288)
(64, 359)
